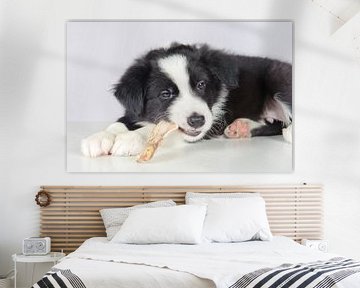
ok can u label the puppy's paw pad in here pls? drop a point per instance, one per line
(128, 144)
(240, 128)
(97, 144)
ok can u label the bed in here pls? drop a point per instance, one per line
(99, 263)
(294, 211)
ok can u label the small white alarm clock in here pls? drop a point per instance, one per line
(320, 245)
(36, 246)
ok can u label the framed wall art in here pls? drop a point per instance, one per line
(223, 88)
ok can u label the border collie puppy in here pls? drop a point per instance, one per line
(207, 92)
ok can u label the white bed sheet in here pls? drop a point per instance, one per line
(102, 274)
(100, 263)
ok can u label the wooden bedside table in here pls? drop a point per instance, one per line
(53, 257)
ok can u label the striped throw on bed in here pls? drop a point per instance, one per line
(320, 274)
(59, 278)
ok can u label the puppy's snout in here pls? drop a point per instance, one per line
(196, 120)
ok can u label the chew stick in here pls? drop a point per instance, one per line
(160, 131)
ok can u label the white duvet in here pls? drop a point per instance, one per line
(100, 263)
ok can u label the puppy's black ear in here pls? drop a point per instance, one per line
(175, 44)
(130, 91)
(222, 65)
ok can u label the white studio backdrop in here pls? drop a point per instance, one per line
(98, 53)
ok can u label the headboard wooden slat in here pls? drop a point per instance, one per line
(73, 215)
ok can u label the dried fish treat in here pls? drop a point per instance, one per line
(160, 131)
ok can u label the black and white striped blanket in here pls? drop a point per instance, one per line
(320, 274)
(59, 278)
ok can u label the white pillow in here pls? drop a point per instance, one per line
(236, 220)
(203, 198)
(113, 218)
(180, 224)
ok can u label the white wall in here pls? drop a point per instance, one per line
(32, 115)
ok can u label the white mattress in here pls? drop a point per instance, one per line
(102, 264)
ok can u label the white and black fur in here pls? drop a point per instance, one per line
(202, 90)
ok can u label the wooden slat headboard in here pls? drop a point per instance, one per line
(73, 215)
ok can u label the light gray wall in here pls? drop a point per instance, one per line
(99, 52)
(32, 109)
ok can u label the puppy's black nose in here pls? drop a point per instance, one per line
(196, 120)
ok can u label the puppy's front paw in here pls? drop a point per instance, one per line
(97, 144)
(287, 133)
(240, 128)
(128, 144)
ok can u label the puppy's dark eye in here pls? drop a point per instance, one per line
(166, 94)
(201, 85)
